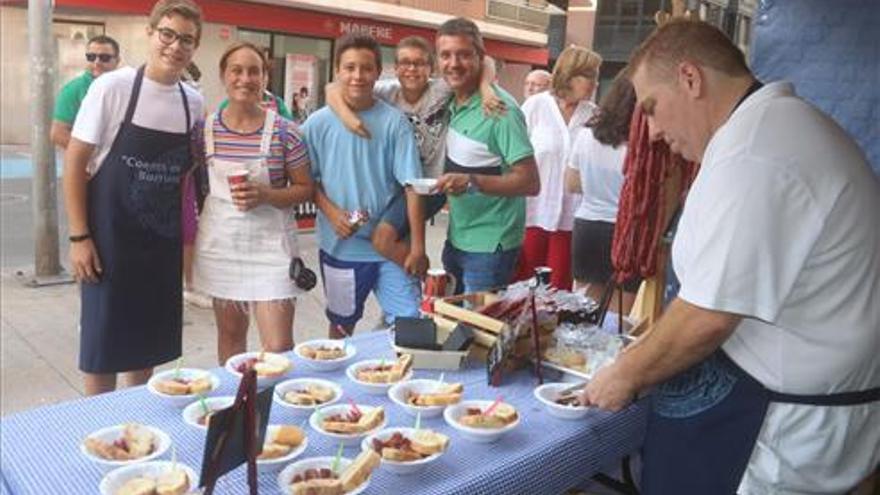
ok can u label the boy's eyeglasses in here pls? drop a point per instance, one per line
(168, 36)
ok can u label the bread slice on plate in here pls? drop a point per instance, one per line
(138, 486)
(398, 455)
(427, 442)
(372, 418)
(292, 436)
(317, 487)
(139, 440)
(172, 482)
(358, 471)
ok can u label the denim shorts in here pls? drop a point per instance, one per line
(475, 272)
(348, 283)
(395, 213)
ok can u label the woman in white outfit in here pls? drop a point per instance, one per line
(553, 118)
(247, 231)
(596, 172)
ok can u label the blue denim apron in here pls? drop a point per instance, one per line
(704, 425)
(132, 317)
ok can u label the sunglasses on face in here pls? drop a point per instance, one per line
(168, 36)
(103, 57)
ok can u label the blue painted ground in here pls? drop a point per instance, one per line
(17, 165)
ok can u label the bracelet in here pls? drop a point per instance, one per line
(79, 238)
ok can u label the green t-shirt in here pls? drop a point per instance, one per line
(279, 106)
(70, 98)
(476, 144)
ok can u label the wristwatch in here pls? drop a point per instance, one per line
(79, 238)
(472, 186)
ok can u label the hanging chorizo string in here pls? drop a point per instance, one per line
(640, 216)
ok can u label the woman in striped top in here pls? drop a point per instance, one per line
(247, 230)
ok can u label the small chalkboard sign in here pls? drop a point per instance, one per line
(236, 434)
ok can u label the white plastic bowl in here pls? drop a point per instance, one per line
(262, 381)
(336, 438)
(187, 373)
(479, 435)
(286, 475)
(193, 412)
(270, 465)
(300, 383)
(370, 387)
(113, 481)
(161, 442)
(398, 467)
(326, 364)
(424, 186)
(547, 395)
(397, 394)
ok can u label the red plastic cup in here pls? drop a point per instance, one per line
(436, 282)
(237, 177)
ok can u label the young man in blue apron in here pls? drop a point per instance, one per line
(129, 151)
(766, 361)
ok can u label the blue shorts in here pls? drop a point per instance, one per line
(348, 283)
(475, 272)
(395, 213)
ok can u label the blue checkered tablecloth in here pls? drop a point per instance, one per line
(544, 455)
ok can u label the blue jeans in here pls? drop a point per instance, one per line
(475, 272)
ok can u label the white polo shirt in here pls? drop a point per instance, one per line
(781, 226)
(553, 208)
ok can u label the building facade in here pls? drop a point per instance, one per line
(298, 33)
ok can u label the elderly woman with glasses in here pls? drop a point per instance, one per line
(553, 118)
(128, 154)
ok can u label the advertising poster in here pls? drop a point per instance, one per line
(300, 84)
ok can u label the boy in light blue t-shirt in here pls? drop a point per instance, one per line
(354, 174)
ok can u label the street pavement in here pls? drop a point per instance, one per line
(39, 326)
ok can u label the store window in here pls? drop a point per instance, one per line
(71, 38)
(300, 68)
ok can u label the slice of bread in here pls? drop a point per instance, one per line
(292, 436)
(274, 450)
(172, 387)
(437, 399)
(323, 394)
(172, 482)
(137, 486)
(317, 487)
(358, 471)
(482, 421)
(401, 367)
(450, 388)
(139, 440)
(398, 455)
(505, 412)
(427, 442)
(299, 399)
(106, 450)
(372, 418)
(200, 385)
(342, 427)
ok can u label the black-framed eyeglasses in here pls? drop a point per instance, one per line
(103, 57)
(168, 36)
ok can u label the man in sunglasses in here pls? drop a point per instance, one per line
(102, 55)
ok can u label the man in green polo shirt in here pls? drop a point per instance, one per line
(489, 169)
(102, 55)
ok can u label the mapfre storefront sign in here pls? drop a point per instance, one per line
(381, 33)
